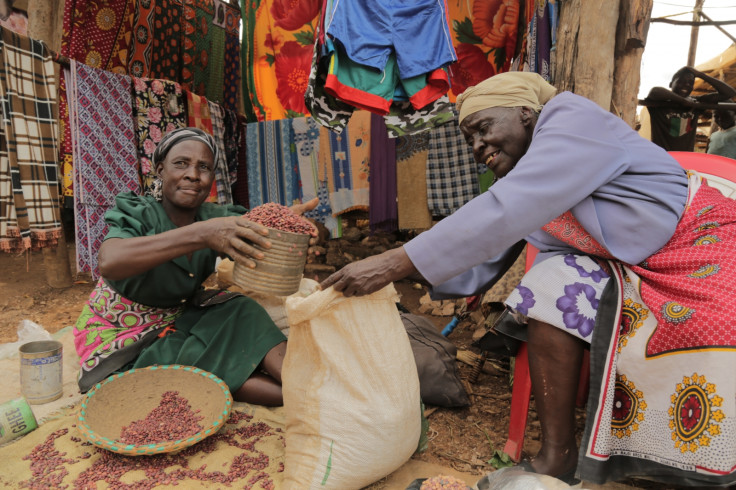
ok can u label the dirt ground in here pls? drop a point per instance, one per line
(465, 439)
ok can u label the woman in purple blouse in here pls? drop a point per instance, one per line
(637, 263)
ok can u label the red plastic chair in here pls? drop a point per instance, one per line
(721, 174)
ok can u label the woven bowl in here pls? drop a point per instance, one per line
(280, 271)
(126, 397)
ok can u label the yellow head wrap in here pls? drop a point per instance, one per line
(509, 89)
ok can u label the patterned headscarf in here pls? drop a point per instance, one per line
(509, 89)
(182, 134)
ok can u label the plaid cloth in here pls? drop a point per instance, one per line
(105, 153)
(222, 176)
(452, 174)
(29, 181)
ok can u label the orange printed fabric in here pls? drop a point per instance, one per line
(139, 62)
(282, 43)
(484, 34)
(198, 116)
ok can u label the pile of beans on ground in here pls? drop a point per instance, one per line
(171, 420)
(247, 469)
(279, 217)
(443, 482)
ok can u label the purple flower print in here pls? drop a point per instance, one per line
(573, 318)
(527, 300)
(596, 274)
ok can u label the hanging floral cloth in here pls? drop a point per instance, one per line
(29, 196)
(277, 51)
(484, 35)
(159, 109)
(105, 155)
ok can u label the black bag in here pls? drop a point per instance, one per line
(439, 382)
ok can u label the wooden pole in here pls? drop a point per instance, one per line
(44, 24)
(631, 37)
(694, 33)
(586, 39)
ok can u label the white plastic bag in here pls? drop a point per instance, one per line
(351, 391)
(28, 331)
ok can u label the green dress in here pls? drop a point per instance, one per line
(227, 338)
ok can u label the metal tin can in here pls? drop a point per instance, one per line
(41, 371)
(16, 419)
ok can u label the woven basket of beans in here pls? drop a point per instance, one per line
(280, 271)
(154, 410)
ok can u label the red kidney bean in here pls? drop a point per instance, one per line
(171, 420)
(105, 469)
(279, 217)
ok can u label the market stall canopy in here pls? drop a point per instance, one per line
(722, 67)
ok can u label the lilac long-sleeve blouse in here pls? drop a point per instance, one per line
(627, 192)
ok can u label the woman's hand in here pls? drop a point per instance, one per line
(235, 237)
(371, 274)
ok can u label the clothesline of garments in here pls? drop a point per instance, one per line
(116, 122)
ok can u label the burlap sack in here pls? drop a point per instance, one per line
(351, 391)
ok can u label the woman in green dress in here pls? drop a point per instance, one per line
(149, 307)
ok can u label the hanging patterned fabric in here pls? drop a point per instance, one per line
(383, 194)
(232, 143)
(411, 182)
(231, 84)
(403, 119)
(452, 174)
(196, 21)
(198, 116)
(345, 164)
(216, 60)
(240, 189)
(306, 140)
(484, 35)
(273, 172)
(159, 109)
(29, 197)
(276, 73)
(222, 176)
(98, 33)
(105, 154)
(141, 44)
(166, 41)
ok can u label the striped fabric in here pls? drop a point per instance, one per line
(222, 176)
(105, 154)
(452, 174)
(273, 174)
(29, 181)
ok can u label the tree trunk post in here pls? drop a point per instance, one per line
(631, 37)
(586, 38)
